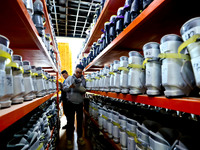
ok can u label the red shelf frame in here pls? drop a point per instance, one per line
(116, 146)
(50, 137)
(110, 8)
(139, 20)
(19, 28)
(10, 115)
(185, 104)
(161, 17)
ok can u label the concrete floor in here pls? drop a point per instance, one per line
(63, 139)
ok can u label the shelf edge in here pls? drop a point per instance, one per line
(10, 115)
(185, 104)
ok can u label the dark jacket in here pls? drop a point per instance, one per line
(63, 94)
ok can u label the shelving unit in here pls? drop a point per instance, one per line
(110, 8)
(160, 18)
(10, 115)
(116, 146)
(19, 28)
(185, 104)
(48, 25)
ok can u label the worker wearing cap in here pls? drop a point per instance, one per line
(63, 95)
(75, 88)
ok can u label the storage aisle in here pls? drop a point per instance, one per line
(138, 74)
(140, 94)
(29, 73)
(62, 145)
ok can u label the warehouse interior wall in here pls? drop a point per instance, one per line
(75, 45)
(65, 57)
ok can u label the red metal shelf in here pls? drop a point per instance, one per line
(50, 137)
(159, 18)
(18, 27)
(10, 115)
(185, 104)
(116, 146)
(110, 8)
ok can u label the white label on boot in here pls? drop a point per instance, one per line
(188, 34)
(124, 80)
(117, 80)
(164, 73)
(8, 81)
(196, 69)
(170, 46)
(148, 75)
(22, 84)
(2, 81)
(149, 53)
(9, 85)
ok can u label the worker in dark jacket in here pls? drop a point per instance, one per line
(75, 88)
(63, 95)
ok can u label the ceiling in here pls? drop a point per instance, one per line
(71, 18)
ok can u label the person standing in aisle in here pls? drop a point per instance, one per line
(75, 88)
(63, 95)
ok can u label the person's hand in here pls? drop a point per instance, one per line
(78, 81)
(82, 89)
(72, 86)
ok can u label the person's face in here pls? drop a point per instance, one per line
(65, 75)
(78, 72)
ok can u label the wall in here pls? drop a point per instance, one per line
(75, 44)
(65, 57)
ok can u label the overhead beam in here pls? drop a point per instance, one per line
(69, 15)
(77, 21)
(75, 9)
(79, 4)
(70, 33)
(63, 20)
(68, 25)
(82, 7)
(82, 2)
(87, 18)
(75, 16)
(76, 26)
(73, 30)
